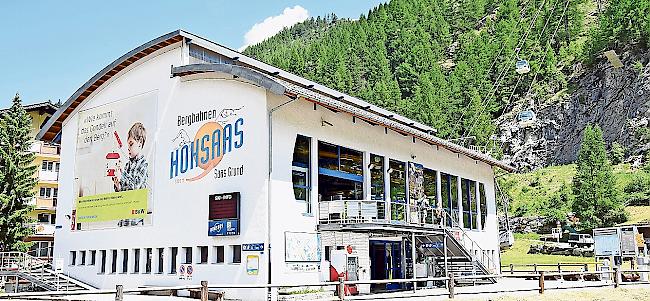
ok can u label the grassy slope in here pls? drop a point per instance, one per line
(518, 253)
(539, 186)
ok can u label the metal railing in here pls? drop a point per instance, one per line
(475, 251)
(449, 289)
(375, 211)
(27, 266)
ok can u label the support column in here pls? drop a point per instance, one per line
(366, 176)
(414, 257)
(477, 195)
(387, 189)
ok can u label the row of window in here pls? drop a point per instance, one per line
(48, 192)
(157, 260)
(340, 177)
(50, 166)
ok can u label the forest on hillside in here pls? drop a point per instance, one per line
(451, 64)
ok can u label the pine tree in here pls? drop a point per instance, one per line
(17, 177)
(597, 203)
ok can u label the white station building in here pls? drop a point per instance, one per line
(185, 161)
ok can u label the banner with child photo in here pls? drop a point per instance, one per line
(114, 164)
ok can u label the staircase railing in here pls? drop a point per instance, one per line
(469, 244)
(38, 269)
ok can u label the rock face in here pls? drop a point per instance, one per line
(529, 224)
(615, 99)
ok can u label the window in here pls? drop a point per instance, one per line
(136, 261)
(470, 214)
(218, 254)
(203, 252)
(52, 219)
(148, 257)
(328, 250)
(114, 262)
(49, 166)
(449, 186)
(340, 173)
(172, 262)
(56, 166)
(161, 260)
(73, 257)
(236, 253)
(125, 260)
(82, 257)
(473, 208)
(102, 266)
(41, 249)
(187, 251)
(483, 204)
(397, 177)
(431, 195)
(376, 167)
(43, 217)
(300, 171)
(93, 257)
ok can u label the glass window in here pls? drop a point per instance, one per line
(397, 177)
(102, 268)
(301, 170)
(136, 261)
(82, 257)
(114, 261)
(376, 167)
(236, 253)
(73, 257)
(467, 217)
(93, 257)
(483, 200)
(219, 254)
(449, 185)
(44, 166)
(430, 187)
(161, 260)
(172, 263)
(473, 207)
(204, 254)
(125, 260)
(148, 257)
(43, 218)
(188, 255)
(340, 174)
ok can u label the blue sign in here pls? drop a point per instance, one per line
(223, 227)
(432, 245)
(252, 247)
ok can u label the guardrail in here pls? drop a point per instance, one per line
(537, 267)
(450, 289)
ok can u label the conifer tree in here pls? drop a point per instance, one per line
(596, 203)
(17, 177)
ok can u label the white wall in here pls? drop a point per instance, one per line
(180, 210)
(300, 117)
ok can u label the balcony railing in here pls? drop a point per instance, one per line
(43, 228)
(364, 211)
(41, 147)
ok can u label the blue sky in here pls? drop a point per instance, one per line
(50, 48)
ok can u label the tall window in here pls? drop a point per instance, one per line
(473, 206)
(82, 256)
(93, 257)
(161, 260)
(300, 171)
(125, 260)
(430, 192)
(340, 173)
(467, 216)
(148, 256)
(449, 186)
(376, 167)
(172, 262)
(188, 255)
(102, 266)
(483, 200)
(236, 253)
(113, 261)
(203, 250)
(397, 177)
(218, 254)
(136, 261)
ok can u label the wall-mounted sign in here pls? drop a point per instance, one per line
(432, 245)
(223, 227)
(252, 264)
(253, 247)
(223, 214)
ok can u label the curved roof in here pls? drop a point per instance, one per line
(272, 78)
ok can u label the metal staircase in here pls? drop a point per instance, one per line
(464, 256)
(38, 272)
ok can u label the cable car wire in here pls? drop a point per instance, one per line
(502, 73)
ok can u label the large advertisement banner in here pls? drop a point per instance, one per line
(114, 164)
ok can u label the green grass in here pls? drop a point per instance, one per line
(530, 192)
(638, 214)
(518, 254)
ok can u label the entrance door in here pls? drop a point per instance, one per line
(386, 262)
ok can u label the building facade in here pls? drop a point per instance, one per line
(46, 191)
(229, 170)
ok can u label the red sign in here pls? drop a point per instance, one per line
(224, 206)
(349, 249)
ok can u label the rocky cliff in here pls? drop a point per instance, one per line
(617, 99)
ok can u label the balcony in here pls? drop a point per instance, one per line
(363, 212)
(43, 148)
(43, 229)
(43, 204)
(48, 176)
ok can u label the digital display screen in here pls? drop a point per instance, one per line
(224, 206)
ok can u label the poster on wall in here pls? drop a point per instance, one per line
(114, 164)
(302, 247)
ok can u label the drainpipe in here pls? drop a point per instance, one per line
(268, 200)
